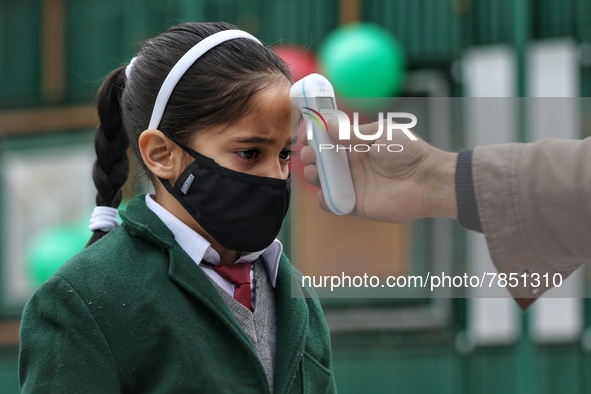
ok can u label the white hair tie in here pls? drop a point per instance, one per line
(104, 219)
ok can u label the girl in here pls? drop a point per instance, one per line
(164, 303)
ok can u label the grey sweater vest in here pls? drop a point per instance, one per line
(259, 325)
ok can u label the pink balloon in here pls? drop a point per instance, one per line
(301, 61)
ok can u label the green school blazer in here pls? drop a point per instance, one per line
(134, 314)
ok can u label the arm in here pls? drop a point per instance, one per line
(62, 347)
(534, 203)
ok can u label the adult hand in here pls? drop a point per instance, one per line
(394, 187)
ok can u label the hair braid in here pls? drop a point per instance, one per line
(111, 167)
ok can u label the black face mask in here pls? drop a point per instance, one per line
(242, 212)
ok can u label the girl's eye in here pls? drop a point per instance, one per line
(249, 154)
(285, 155)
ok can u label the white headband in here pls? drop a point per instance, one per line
(181, 67)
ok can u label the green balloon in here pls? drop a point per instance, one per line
(52, 248)
(363, 60)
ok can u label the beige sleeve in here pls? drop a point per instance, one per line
(534, 202)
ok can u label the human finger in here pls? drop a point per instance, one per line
(322, 202)
(307, 155)
(311, 175)
(303, 139)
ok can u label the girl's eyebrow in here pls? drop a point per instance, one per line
(262, 140)
(256, 140)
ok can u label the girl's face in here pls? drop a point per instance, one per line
(260, 143)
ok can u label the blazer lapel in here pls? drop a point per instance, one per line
(292, 325)
(188, 276)
(140, 221)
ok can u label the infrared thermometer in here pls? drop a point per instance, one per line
(311, 95)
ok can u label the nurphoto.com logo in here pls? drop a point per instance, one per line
(345, 130)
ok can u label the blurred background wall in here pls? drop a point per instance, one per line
(55, 53)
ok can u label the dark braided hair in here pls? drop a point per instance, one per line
(111, 167)
(217, 89)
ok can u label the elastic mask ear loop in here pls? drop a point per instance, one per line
(187, 182)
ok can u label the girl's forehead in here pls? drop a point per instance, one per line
(273, 101)
(270, 118)
(272, 111)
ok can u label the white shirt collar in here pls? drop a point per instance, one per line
(198, 248)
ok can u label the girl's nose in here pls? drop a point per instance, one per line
(275, 169)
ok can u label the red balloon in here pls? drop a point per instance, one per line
(301, 61)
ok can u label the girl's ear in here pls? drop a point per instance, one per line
(160, 154)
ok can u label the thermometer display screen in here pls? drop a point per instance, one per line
(325, 103)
